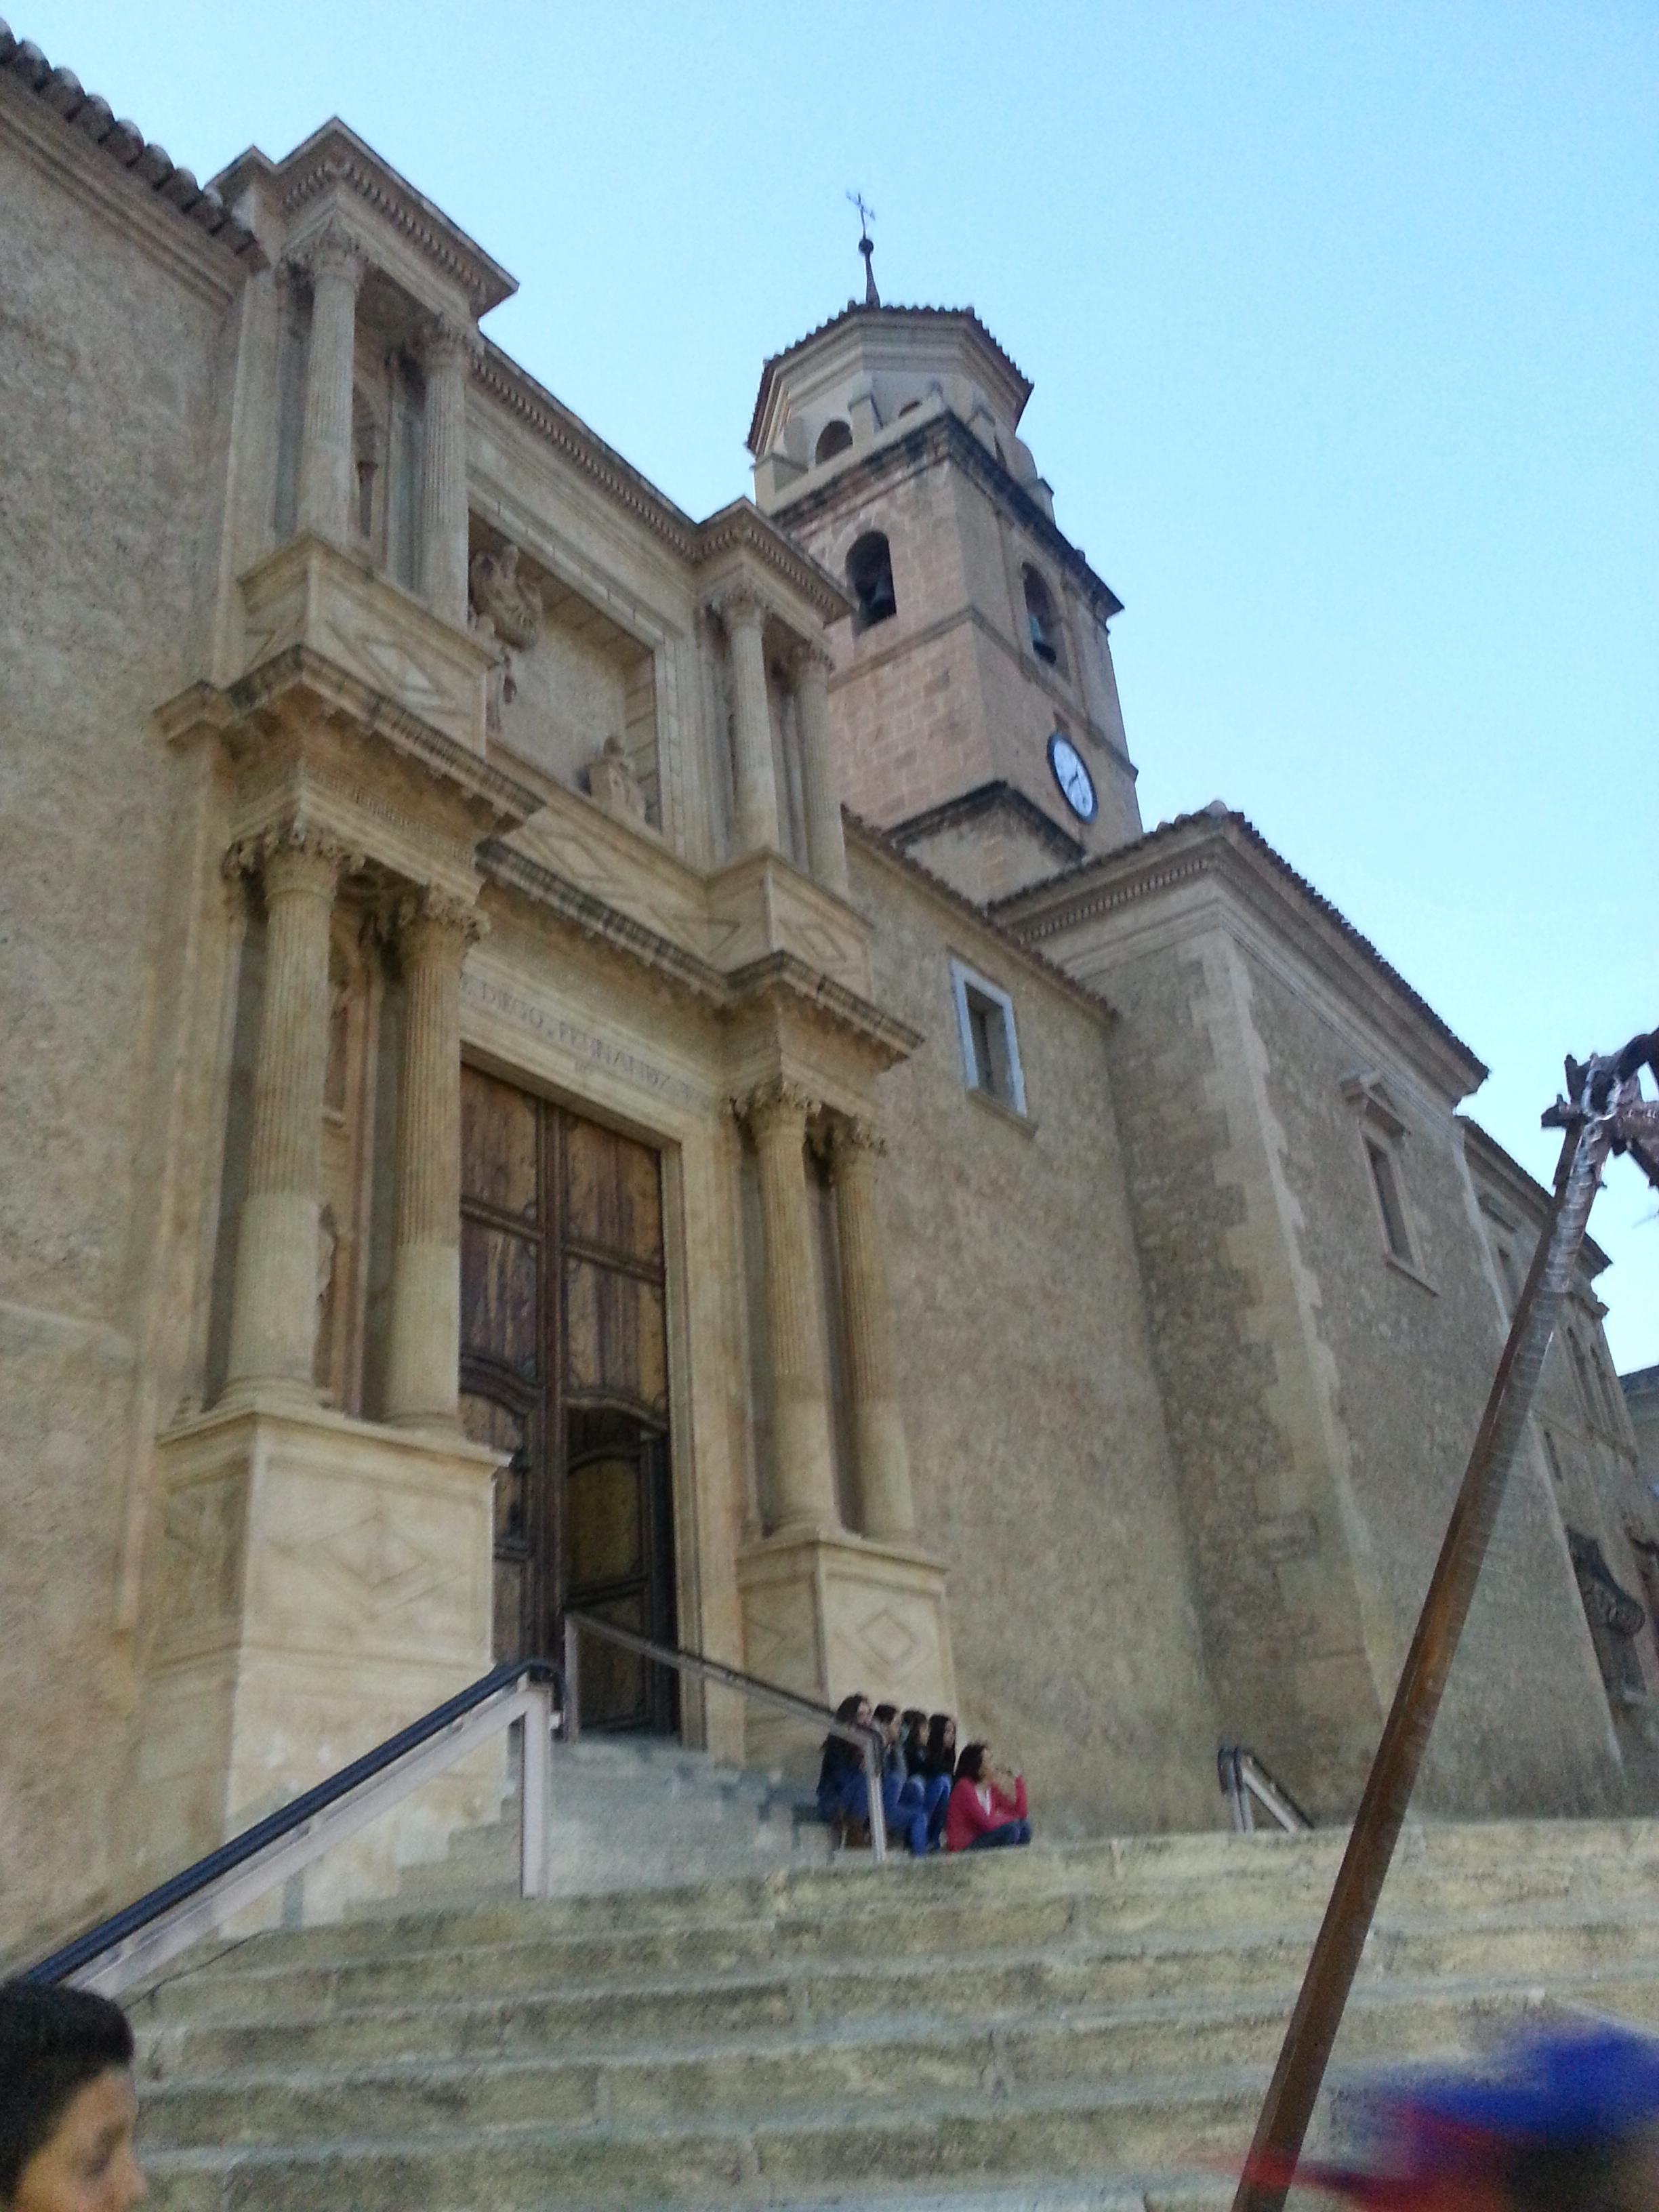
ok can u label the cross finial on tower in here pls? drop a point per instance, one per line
(867, 248)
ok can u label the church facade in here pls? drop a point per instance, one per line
(561, 1055)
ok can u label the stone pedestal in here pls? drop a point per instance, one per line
(826, 1615)
(319, 1583)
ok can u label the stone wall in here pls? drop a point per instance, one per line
(111, 355)
(1041, 1469)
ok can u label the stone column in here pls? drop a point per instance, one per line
(826, 847)
(776, 1115)
(423, 1346)
(445, 352)
(336, 264)
(273, 1328)
(884, 1462)
(744, 615)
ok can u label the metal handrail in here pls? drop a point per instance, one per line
(870, 1741)
(177, 1912)
(1243, 1778)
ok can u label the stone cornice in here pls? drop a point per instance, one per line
(941, 436)
(88, 122)
(782, 978)
(996, 797)
(1220, 844)
(337, 156)
(881, 844)
(513, 388)
(742, 528)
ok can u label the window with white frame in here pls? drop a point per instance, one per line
(990, 1046)
(1383, 1134)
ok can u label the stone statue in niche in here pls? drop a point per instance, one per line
(511, 601)
(612, 783)
(500, 688)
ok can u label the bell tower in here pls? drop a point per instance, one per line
(973, 705)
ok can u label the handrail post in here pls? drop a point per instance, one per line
(878, 1810)
(538, 1726)
(572, 1676)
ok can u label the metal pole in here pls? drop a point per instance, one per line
(537, 1727)
(1294, 2090)
(572, 1672)
(873, 1759)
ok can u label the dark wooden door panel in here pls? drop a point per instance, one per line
(564, 1366)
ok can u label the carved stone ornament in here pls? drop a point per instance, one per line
(777, 1103)
(446, 344)
(847, 1138)
(435, 915)
(739, 605)
(511, 601)
(333, 251)
(810, 659)
(254, 856)
(612, 784)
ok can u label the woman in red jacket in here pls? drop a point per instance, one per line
(986, 1809)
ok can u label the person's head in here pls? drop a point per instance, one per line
(941, 1738)
(974, 1763)
(913, 1732)
(68, 2110)
(886, 1719)
(855, 1706)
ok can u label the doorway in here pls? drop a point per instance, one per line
(564, 1365)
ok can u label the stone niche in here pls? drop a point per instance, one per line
(569, 683)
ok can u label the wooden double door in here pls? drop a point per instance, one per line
(564, 1364)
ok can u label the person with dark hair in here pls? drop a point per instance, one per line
(67, 2107)
(940, 1757)
(988, 1810)
(902, 1804)
(843, 1789)
(935, 1787)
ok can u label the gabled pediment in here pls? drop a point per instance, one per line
(1372, 1100)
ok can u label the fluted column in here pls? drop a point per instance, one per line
(776, 1115)
(883, 1461)
(826, 847)
(444, 353)
(336, 264)
(745, 615)
(273, 1325)
(424, 1339)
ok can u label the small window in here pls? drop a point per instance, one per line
(1386, 1179)
(990, 1049)
(834, 438)
(869, 579)
(1045, 640)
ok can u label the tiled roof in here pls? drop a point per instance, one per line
(856, 311)
(1217, 815)
(61, 90)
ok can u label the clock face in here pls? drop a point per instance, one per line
(1077, 786)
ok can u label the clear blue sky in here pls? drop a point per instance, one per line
(1343, 319)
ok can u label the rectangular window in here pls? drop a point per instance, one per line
(990, 1050)
(1390, 1203)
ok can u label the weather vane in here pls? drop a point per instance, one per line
(866, 247)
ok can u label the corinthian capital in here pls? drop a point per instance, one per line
(333, 251)
(446, 343)
(811, 661)
(740, 605)
(431, 923)
(852, 1143)
(296, 853)
(777, 1104)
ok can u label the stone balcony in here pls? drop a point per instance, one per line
(313, 594)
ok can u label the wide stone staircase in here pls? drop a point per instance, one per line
(1083, 2026)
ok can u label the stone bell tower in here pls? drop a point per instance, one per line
(973, 704)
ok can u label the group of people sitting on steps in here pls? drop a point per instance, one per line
(932, 1795)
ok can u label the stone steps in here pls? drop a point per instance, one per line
(1074, 2028)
